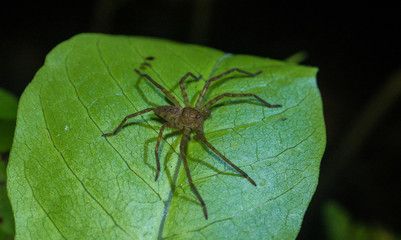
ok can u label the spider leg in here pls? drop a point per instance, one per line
(125, 119)
(207, 84)
(184, 141)
(184, 92)
(167, 93)
(200, 136)
(159, 138)
(209, 104)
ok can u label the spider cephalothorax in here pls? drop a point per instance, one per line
(190, 119)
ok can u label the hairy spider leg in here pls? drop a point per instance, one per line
(159, 138)
(201, 136)
(184, 92)
(167, 93)
(209, 104)
(207, 84)
(125, 119)
(184, 141)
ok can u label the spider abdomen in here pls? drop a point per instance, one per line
(180, 117)
(168, 113)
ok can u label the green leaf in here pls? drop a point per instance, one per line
(8, 105)
(68, 182)
(340, 226)
(337, 222)
(6, 215)
(8, 114)
(297, 57)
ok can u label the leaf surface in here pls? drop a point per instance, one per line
(68, 182)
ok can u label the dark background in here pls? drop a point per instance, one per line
(358, 54)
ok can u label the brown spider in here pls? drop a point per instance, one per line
(190, 119)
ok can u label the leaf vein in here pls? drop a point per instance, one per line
(65, 161)
(40, 204)
(123, 92)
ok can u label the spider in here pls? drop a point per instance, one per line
(191, 119)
